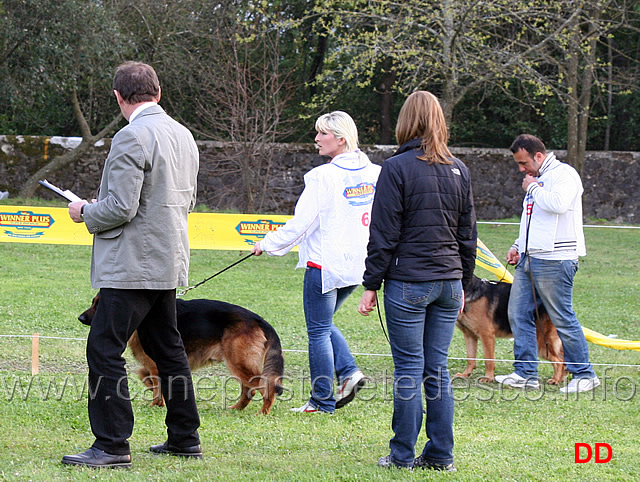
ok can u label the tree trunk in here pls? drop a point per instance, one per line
(607, 131)
(386, 102)
(448, 53)
(58, 162)
(573, 101)
(580, 82)
(317, 63)
(586, 85)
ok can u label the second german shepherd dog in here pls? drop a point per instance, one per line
(485, 317)
(215, 331)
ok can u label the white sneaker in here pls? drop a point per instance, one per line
(308, 408)
(581, 385)
(516, 381)
(350, 386)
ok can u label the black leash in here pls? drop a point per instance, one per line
(380, 318)
(528, 260)
(504, 275)
(526, 253)
(184, 291)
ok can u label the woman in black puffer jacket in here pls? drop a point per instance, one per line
(422, 244)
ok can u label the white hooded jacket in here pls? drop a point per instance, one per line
(331, 220)
(552, 213)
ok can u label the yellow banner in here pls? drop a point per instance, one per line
(231, 231)
(486, 259)
(26, 224)
(20, 224)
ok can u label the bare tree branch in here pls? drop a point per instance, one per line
(64, 160)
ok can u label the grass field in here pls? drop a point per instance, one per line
(500, 433)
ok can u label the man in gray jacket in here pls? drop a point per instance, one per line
(140, 255)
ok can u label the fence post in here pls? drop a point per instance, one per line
(35, 354)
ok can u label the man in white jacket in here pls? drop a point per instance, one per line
(546, 258)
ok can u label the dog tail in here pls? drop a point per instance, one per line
(273, 368)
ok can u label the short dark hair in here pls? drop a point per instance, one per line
(137, 82)
(529, 143)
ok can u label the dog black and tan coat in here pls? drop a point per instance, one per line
(215, 331)
(485, 317)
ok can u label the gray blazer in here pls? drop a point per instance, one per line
(147, 190)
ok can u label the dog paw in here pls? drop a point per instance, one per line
(239, 406)
(461, 375)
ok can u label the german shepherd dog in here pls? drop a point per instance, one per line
(485, 317)
(215, 331)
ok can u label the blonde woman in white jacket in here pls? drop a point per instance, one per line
(331, 227)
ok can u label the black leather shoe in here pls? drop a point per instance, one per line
(421, 463)
(97, 458)
(166, 448)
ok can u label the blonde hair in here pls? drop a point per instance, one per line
(341, 125)
(421, 117)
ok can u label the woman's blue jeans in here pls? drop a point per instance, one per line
(553, 282)
(328, 350)
(420, 319)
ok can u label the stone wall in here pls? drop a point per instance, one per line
(611, 179)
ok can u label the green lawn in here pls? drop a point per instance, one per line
(500, 433)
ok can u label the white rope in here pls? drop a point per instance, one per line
(42, 337)
(584, 226)
(544, 361)
(386, 355)
(354, 353)
(506, 360)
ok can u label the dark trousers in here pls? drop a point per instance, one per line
(153, 313)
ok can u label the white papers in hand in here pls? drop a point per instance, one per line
(68, 195)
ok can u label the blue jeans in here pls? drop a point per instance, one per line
(328, 350)
(553, 282)
(420, 320)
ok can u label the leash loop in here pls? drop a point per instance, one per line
(184, 291)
